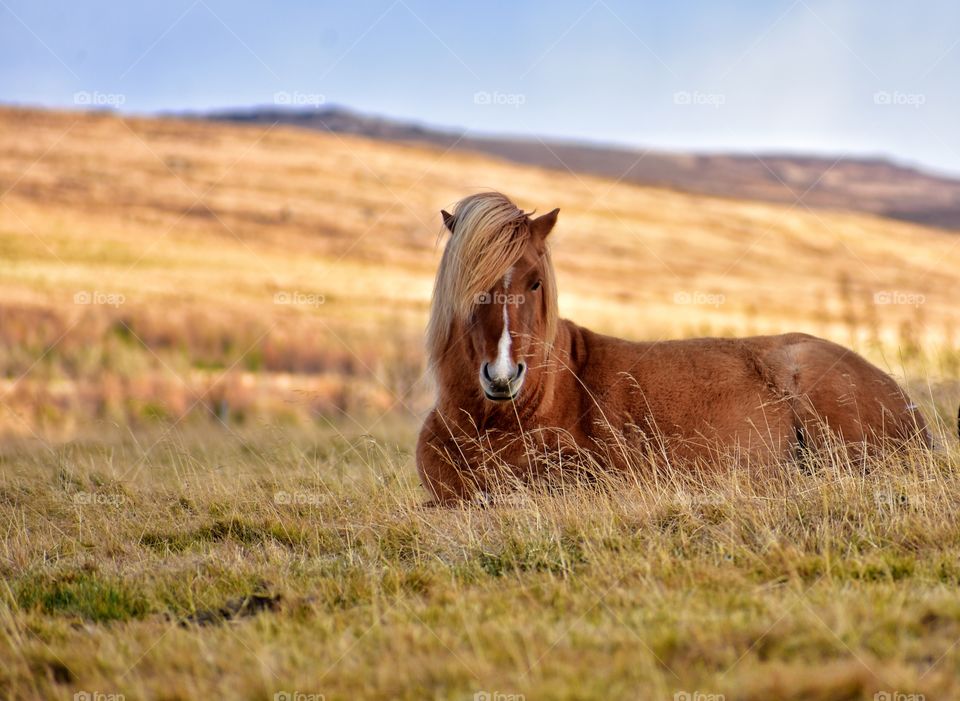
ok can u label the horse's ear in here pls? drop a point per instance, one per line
(543, 225)
(447, 219)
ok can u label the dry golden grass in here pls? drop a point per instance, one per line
(252, 565)
(197, 227)
(154, 551)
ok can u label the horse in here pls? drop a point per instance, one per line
(523, 394)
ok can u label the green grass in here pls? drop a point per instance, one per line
(81, 594)
(248, 565)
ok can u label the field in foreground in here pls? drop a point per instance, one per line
(211, 374)
(182, 566)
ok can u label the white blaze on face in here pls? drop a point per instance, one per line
(503, 367)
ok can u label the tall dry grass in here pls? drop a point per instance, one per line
(290, 561)
(285, 275)
(206, 487)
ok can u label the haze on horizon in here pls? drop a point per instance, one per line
(801, 76)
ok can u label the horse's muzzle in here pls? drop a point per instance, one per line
(501, 389)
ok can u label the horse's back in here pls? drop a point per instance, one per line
(838, 391)
(694, 394)
(768, 392)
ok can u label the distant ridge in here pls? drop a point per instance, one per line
(875, 185)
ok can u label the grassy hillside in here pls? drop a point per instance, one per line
(211, 379)
(873, 185)
(151, 266)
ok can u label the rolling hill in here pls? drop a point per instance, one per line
(873, 185)
(154, 269)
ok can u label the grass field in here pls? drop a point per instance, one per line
(249, 566)
(211, 378)
(162, 270)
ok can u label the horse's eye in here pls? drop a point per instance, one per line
(536, 285)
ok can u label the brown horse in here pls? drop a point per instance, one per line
(524, 394)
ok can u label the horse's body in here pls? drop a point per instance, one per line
(523, 393)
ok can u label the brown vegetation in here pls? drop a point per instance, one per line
(184, 236)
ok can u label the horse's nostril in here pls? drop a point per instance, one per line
(521, 368)
(485, 369)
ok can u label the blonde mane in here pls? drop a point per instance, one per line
(490, 235)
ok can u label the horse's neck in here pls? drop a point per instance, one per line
(564, 368)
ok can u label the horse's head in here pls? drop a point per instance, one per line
(507, 324)
(507, 328)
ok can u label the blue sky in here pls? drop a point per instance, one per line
(851, 77)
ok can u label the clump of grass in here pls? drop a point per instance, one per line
(82, 594)
(559, 557)
(234, 529)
